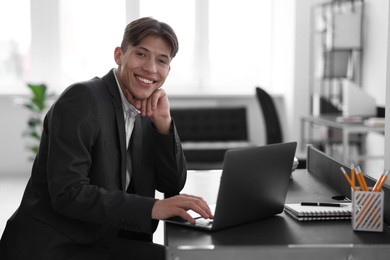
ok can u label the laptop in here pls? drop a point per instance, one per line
(253, 186)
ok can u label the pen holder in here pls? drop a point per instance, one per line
(367, 210)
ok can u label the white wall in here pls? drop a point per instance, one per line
(283, 59)
(374, 68)
(375, 48)
(387, 128)
(301, 98)
(13, 154)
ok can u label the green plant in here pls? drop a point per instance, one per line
(37, 105)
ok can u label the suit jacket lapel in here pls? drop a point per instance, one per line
(112, 87)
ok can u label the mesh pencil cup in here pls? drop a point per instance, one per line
(367, 210)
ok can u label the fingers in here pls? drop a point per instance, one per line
(179, 206)
(200, 206)
(152, 102)
(197, 204)
(154, 99)
(144, 108)
(147, 106)
(156, 107)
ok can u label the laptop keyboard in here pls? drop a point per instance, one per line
(203, 222)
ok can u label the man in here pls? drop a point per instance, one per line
(107, 145)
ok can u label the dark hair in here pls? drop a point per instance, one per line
(143, 27)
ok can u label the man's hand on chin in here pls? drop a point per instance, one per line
(156, 107)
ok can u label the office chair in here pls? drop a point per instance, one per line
(273, 127)
(271, 117)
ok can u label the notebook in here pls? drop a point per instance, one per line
(308, 213)
(253, 186)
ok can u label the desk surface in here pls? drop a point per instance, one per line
(281, 233)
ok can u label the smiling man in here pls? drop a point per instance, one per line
(107, 145)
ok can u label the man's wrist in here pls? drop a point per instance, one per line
(164, 125)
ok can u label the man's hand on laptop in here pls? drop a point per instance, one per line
(178, 206)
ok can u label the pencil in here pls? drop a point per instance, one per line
(375, 188)
(347, 178)
(381, 181)
(353, 174)
(361, 179)
(384, 179)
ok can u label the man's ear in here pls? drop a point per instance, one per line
(117, 55)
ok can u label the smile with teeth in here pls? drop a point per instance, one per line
(146, 81)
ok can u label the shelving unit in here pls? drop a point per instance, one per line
(336, 53)
(336, 63)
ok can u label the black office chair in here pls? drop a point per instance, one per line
(271, 117)
(273, 127)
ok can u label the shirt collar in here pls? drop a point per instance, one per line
(125, 104)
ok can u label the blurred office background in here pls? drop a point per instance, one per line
(227, 48)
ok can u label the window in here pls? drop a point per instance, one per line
(90, 31)
(240, 45)
(223, 52)
(182, 76)
(15, 42)
(219, 52)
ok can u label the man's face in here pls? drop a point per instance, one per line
(142, 69)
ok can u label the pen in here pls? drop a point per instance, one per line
(320, 204)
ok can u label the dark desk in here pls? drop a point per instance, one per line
(278, 237)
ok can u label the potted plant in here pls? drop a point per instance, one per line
(37, 105)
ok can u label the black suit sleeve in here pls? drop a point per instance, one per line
(171, 165)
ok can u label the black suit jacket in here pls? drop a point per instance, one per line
(75, 201)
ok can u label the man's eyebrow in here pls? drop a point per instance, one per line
(147, 50)
(142, 48)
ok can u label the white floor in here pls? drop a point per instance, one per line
(11, 192)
